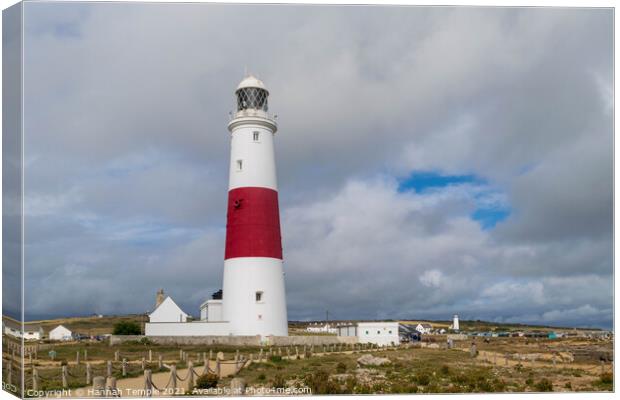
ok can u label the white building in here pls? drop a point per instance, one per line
(379, 333)
(30, 331)
(424, 329)
(455, 322)
(168, 311)
(211, 310)
(60, 333)
(321, 328)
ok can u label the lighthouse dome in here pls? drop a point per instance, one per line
(251, 81)
(252, 94)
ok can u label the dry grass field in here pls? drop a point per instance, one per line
(501, 365)
(426, 370)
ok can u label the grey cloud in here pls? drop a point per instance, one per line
(127, 153)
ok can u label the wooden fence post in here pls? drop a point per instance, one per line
(160, 362)
(147, 383)
(116, 355)
(9, 378)
(99, 386)
(111, 386)
(85, 355)
(64, 377)
(150, 355)
(124, 367)
(143, 364)
(77, 358)
(190, 376)
(88, 373)
(109, 368)
(35, 380)
(217, 367)
(173, 377)
(210, 354)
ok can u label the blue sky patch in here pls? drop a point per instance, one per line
(489, 217)
(491, 207)
(420, 181)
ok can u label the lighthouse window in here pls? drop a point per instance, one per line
(259, 296)
(250, 97)
(239, 165)
(256, 135)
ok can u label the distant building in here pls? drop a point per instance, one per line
(346, 330)
(168, 311)
(379, 333)
(424, 329)
(321, 328)
(60, 333)
(455, 322)
(31, 331)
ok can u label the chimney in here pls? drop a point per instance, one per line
(160, 297)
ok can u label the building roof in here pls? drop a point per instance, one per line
(426, 326)
(17, 325)
(251, 81)
(166, 300)
(61, 326)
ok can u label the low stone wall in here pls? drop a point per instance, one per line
(309, 340)
(457, 336)
(238, 340)
(191, 340)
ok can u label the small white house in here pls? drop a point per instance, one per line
(211, 310)
(30, 331)
(379, 333)
(424, 329)
(321, 328)
(60, 333)
(168, 311)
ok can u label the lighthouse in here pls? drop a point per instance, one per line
(254, 301)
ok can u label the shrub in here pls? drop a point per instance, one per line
(568, 385)
(275, 358)
(445, 370)
(544, 385)
(606, 378)
(423, 379)
(126, 328)
(341, 368)
(145, 341)
(278, 381)
(261, 377)
(320, 383)
(207, 381)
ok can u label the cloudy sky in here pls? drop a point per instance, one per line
(431, 161)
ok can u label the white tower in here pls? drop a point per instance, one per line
(455, 322)
(254, 300)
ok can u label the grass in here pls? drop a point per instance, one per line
(417, 370)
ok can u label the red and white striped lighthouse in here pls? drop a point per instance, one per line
(254, 300)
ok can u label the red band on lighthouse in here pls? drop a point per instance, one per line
(253, 223)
